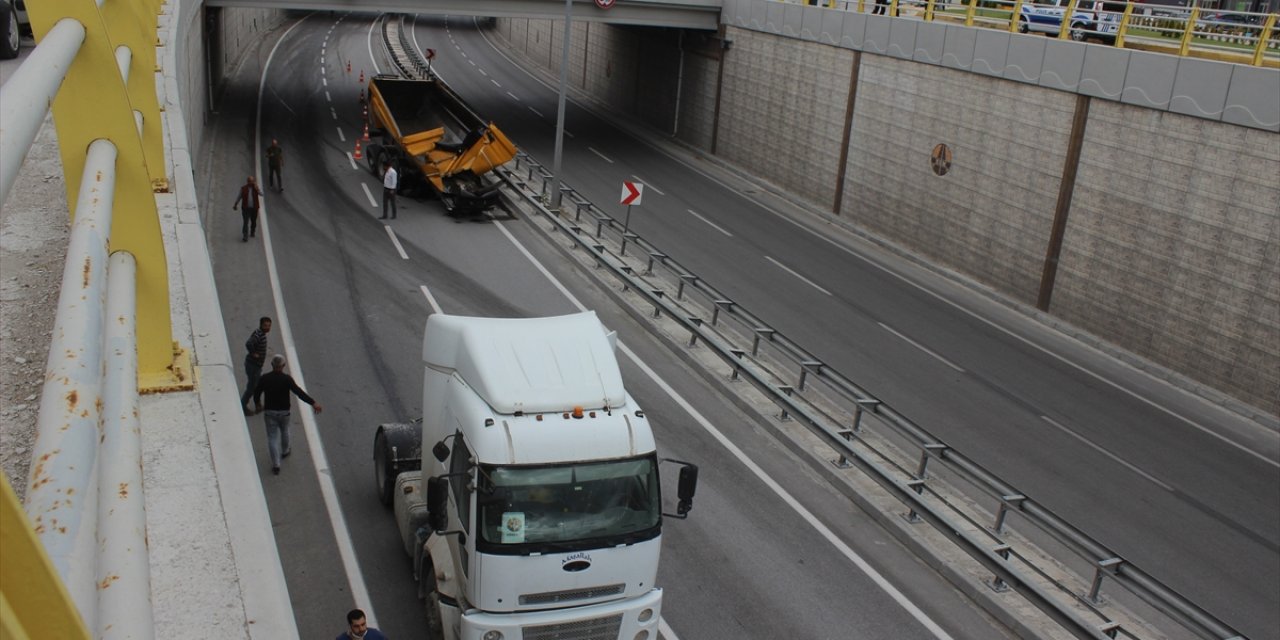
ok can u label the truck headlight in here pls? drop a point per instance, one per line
(493, 635)
(646, 615)
(643, 635)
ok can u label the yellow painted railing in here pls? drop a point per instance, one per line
(1230, 36)
(33, 602)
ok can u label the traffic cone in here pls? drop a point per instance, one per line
(348, 66)
(357, 155)
(361, 95)
(365, 137)
(362, 76)
(364, 112)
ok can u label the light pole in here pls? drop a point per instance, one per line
(564, 88)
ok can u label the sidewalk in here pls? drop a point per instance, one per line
(215, 571)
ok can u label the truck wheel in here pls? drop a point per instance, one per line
(382, 473)
(427, 586)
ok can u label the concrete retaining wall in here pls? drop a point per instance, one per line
(1172, 245)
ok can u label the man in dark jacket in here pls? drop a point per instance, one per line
(358, 628)
(247, 202)
(277, 386)
(255, 355)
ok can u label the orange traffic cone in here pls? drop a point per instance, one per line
(348, 66)
(364, 112)
(365, 137)
(357, 155)
(362, 76)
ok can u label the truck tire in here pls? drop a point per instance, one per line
(382, 473)
(427, 587)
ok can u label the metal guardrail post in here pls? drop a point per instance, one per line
(63, 476)
(1015, 17)
(1264, 37)
(123, 568)
(1188, 31)
(1068, 14)
(1123, 29)
(36, 603)
(970, 12)
(28, 93)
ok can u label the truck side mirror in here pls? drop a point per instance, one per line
(687, 487)
(440, 451)
(438, 503)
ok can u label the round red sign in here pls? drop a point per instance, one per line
(605, 4)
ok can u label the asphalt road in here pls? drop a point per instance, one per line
(1184, 489)
(770, 550)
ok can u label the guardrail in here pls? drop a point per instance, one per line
(85, 495)
(839, 412)
(1231, 36)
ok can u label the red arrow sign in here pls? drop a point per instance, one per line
(431, 53)
(631, 192)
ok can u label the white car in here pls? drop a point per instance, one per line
(1091, 19)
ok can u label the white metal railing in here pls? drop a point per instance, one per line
(85, 494)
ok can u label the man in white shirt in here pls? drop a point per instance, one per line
(390, 180)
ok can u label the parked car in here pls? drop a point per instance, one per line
(1227, 21)
(13, 20)
(1091, 19)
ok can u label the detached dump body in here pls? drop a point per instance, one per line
(413, 118)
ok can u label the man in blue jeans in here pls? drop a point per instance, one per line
(277, 386)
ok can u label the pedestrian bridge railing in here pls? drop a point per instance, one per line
(1229, 36)
(95, 68)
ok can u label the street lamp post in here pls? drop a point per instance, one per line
(564, 87)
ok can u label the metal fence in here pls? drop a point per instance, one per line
(902, 457)
(85, 497)
(1231, 36)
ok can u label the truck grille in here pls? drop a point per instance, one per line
(557, 597)
(606, 628)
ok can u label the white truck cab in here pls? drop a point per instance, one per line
(539, 512)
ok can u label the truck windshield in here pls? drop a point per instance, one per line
(526, 509)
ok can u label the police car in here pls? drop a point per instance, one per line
(1090, 19)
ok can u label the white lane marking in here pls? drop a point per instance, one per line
(794, 273)
(483, 72)
(875, 576)
(973, 314)
(513, 96)
(495, 83)
(665, 631)
(602, 156)
(473, 62)
(322, 61)
(341, 136)
(464, 53)
(431, 300)
(324, 476)
(567, 133)
(372, 202)
(369, 42)
(921, 347)
(328, 97)
(647, 184)
(321, 70)
(1106, 453)
(396, 241)
(714, 225)
(353, 161)
(333, 112)
(324, 81)
(538, 113)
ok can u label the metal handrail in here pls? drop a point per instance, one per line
(1241, 36)
(85, 495)
(990, 546)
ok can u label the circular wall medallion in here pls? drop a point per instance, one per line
(605, 4)
(940, 159)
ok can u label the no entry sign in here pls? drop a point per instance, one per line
(632, 192)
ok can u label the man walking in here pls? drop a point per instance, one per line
(275, 162)
(277, 386)
(248, 202)
(390, 180)
(255, 356)
(358, 628)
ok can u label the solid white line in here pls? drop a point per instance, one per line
(369, 42)
(353, 161)
(513, 96)
(606, 158)
(341, 136)
(713, 225)
(372, 202)
(342, 536)
(1106, 453)
(539, 113)
(792, 272)
(431, 300)
(646, 183)
(875, 576)
(327, 96)
(920, 347)
(495, 82)
(665, 631)
(396, 242)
